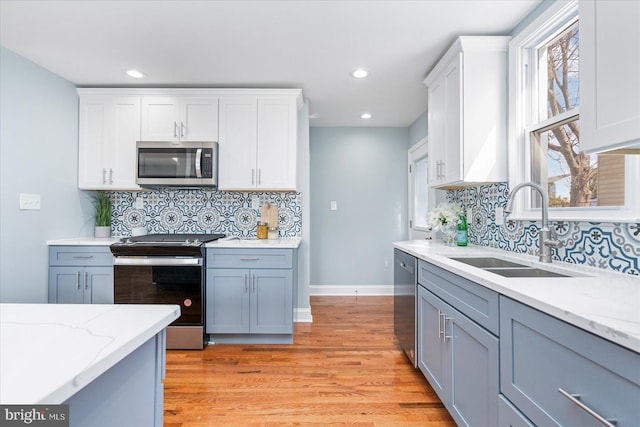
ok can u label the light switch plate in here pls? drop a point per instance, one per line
(255, 202)
(30, 202)
(334, 205)
(139, 203)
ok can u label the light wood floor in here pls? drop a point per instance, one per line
(346, 368)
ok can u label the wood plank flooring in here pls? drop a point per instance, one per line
(345, 369)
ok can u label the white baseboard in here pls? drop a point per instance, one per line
(302, 315)
(358, 290)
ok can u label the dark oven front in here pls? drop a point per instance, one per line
(165, 280)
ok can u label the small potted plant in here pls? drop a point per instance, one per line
(102, 203)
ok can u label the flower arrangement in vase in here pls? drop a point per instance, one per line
(445, 218)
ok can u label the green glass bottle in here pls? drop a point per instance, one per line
(463, 237)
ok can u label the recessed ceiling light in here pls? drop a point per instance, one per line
(135, 74)
(360, 73)
(366, 116)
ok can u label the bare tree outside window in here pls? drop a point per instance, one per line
(574, 179)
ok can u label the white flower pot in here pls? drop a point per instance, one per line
(102, 231)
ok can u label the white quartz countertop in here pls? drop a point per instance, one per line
(604, 303)
(281, 243)
(228, 242)
(83, 241)
(48, 352)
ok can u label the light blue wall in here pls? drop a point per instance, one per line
(418, 129)
(365, 171)
(38, 155)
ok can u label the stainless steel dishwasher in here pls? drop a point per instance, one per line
(404, 302)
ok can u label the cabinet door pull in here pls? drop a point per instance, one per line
(249, 259)
(575, 398)
(253, 176)
(82, 256)
(181, 129)
(253, 283)
(245, 283)
(78, 280)
(440, 314)
(104, 176)
(445, 337)
(259, 176)
(175, 130)
(444, 170)
(110, 176)
(86, 280)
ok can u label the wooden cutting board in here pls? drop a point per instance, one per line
(269, 214)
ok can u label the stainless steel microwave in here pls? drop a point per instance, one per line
(177, 164)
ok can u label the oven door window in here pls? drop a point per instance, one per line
(162, 285)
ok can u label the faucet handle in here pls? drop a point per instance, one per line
(554, 243)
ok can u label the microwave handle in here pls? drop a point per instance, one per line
(199, 163)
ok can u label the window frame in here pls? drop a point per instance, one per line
(523, 105)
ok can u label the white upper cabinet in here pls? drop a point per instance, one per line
(467, 113)
(258, 141)
(257, 134)
(237, 151)
(109, 129)
(610, 76)
(174, 118)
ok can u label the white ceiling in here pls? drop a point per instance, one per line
(312, 45)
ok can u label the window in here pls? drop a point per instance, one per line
(421, 197)
(545, 127)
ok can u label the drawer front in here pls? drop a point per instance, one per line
(474, 300)
(249, 258)
(80, 256)
(541, 355)
(509, 416)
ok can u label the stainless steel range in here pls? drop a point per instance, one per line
(165, 269)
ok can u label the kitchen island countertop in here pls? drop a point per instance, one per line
(604, 303)
(49, 352)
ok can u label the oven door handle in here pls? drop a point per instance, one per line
(133, 261)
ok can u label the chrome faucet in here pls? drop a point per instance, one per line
(545, 242)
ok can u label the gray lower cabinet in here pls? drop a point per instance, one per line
(80, 275)
(249, 292)
(560, 375)
(458, 357)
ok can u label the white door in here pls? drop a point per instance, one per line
(420, 195)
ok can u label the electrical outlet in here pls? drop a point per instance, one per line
(499, 216)
(29, 202)
(255, 202)
(139, 203)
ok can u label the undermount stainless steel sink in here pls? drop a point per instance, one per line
(488, 262)
(524, 272)
(508, 268)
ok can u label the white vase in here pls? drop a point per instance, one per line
(102, 231)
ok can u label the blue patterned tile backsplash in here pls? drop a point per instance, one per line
(612, 246)
(202, 211)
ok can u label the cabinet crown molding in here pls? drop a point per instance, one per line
(149, 91)
(468, 44)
